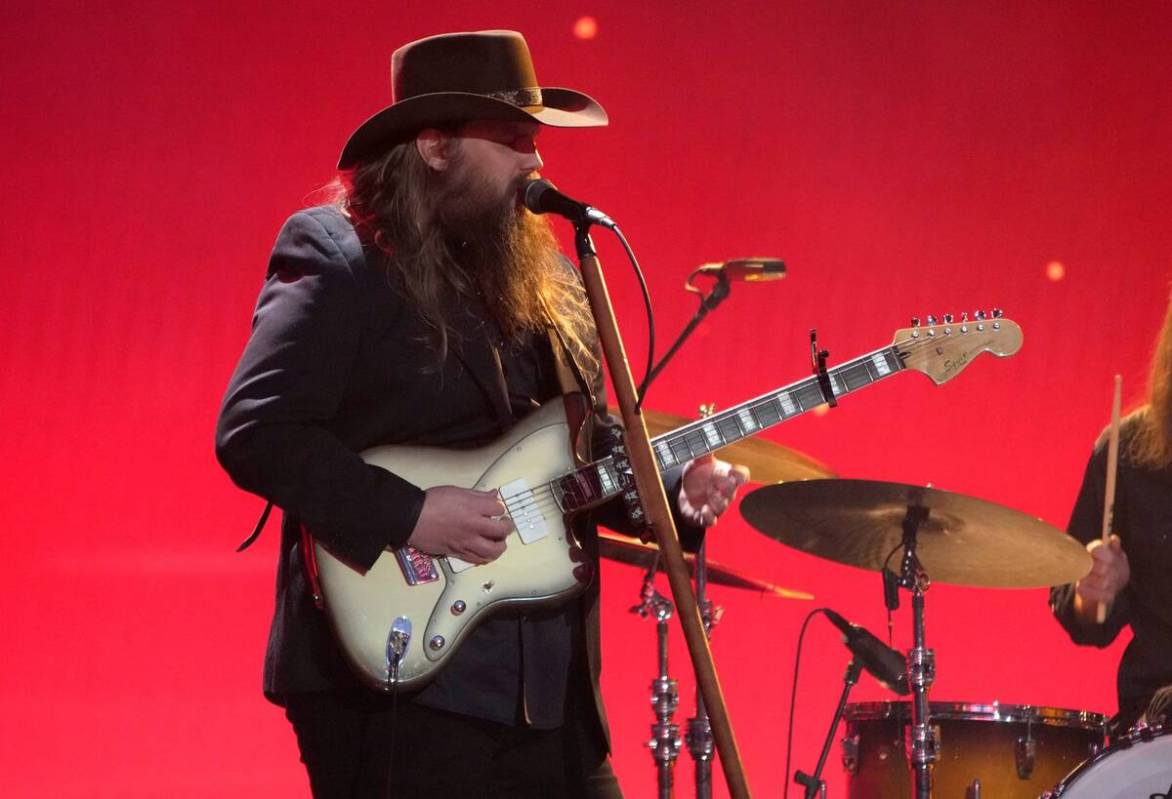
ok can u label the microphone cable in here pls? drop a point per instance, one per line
(793, 698)
(642, 391)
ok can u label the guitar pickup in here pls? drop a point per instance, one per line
(524, 511)
(417, 567)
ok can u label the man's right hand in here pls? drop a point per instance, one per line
(470, 525)
(1110, 572)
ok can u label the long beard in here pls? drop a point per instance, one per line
(506, 252)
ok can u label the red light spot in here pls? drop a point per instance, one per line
(586, 28)
(1055, 271)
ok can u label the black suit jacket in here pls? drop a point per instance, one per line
(337, 363)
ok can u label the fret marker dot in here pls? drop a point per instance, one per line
(1055, 271)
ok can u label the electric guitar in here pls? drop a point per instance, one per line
(399, 622)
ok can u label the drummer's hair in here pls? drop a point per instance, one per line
(1151, 446)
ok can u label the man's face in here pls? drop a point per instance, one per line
(497, 158)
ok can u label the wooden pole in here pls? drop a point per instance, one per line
(655, 505)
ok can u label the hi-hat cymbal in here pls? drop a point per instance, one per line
(964, 540)
(768, 462)
(636, 553)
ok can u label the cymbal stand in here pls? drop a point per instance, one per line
(665, 698)
(699, 735)
(921, 662)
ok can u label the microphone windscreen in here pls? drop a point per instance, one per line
(531, 195)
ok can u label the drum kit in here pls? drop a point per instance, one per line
(914, 536)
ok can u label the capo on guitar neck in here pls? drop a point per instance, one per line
(818, 364)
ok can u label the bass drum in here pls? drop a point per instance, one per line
(1010, 751)
(1139, 766)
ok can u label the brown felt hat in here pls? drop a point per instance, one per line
(459, 77)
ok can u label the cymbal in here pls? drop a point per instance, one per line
(636, 553)
(768, 462)
(964, 541)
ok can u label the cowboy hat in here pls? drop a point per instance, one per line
(459, 77)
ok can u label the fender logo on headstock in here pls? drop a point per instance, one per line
(953, 365)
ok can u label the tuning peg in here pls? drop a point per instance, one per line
(915, 321)
(964, 317)
(979, 315)
(932, 319)
(947, 318)
(997, 313)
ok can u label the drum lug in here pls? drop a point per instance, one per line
(1025, 752)
(850, 754)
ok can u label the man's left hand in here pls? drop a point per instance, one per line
(708, 488)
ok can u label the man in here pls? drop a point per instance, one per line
(1130, 574)
(428, 307)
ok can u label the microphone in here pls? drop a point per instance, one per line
(885, 664)
(542, 197)
(750, 270)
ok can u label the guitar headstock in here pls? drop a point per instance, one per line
(942, 348)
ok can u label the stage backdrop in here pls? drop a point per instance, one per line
(904, 158)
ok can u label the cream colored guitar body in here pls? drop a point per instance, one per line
(541, 563)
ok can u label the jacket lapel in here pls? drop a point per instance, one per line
(474, 344)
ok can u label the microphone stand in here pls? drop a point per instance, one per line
(718, 295)
(645, 471)
(814, 783)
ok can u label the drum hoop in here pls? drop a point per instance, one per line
(1137, 735)
(970, 711)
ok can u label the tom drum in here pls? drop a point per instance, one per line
(1001, 751)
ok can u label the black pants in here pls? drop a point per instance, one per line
(345, 745)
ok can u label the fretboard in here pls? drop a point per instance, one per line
(601, 480)
(751, 417)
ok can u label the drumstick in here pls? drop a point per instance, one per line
(1112, 463)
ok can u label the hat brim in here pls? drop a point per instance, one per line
(562, 108)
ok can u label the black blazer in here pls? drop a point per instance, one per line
(337, 363)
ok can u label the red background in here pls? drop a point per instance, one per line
(905, 158)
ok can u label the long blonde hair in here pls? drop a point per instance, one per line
(396, 198)
(1151, 446)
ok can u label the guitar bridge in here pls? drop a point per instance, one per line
(417, 567)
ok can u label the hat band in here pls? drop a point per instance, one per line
(521, 98)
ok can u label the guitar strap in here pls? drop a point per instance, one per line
(569, 376)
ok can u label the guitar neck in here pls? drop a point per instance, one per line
(601, 480)
(751, 417)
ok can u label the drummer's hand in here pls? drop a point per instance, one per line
(1109, 574)
(708, 488)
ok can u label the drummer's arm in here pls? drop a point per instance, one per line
(1075, 604)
